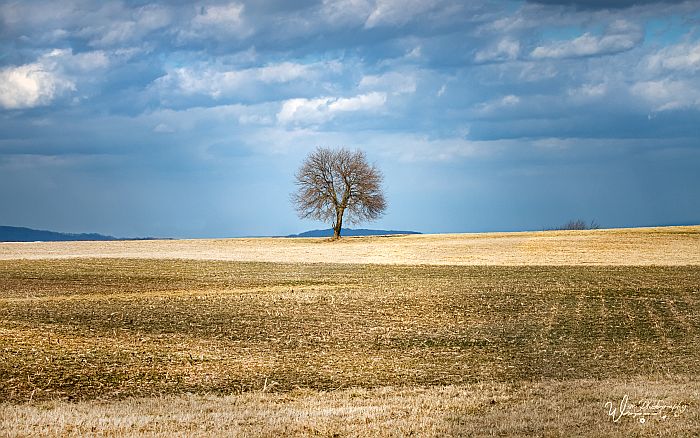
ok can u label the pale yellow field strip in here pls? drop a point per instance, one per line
(546, 408)
(666, 246)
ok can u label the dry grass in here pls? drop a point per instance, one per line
(114, 327)
(115, 346)
(543, 408)
(636, 246)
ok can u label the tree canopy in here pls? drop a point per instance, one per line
(332, 183)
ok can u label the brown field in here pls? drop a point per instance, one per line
(630, 246)
(423, 335)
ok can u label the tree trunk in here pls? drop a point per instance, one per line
(338, 224)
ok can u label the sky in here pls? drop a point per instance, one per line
(185, 119)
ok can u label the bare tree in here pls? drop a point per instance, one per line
(331, 183)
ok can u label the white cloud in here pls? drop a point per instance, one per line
(163, 128)
(54, 74)
(189, 81)
(393, 82)
(190, 119)
(679, 57)
(217, 22)
(40, 82)
(315, 111)
(414, 53)
(619, 37)
(588, 92)
(90, 61)
(217, 82)
(304, 110)
(394, 146)
(506, 50)
(133, 25)
(585, 45)
(510, 100)
(668, 94)
(255, 119)
(397, 12)
(507, 24)
(223, 15)
(115, 33)
(152, 17)
(282, 72)
(346, 12)
(362, 102)
(29, 85)
(495, 105)
(536, 71)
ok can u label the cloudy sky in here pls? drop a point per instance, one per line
(189, 120)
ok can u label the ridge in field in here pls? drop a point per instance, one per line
(350, 232)
(23, 234)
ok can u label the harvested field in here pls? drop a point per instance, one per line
(112, 345)
(543, 408)
(627, 246)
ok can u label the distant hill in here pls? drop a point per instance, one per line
(21, 234)
(350, 232)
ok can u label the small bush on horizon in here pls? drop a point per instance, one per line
(579, 224)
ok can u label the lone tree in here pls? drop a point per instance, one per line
(332, 182)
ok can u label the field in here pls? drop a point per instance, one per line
(495, 334)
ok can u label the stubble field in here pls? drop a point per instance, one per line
(100, 340)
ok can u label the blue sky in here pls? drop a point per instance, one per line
(189, 119)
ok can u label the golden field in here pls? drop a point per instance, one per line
(632, 246)
(501, 334)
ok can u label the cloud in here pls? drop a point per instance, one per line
(346, 11)
(282, 72)
(588, 45)
(506, 50)
(393, 82)
(217, 22)
(89, 61)
(668, 94)
(29, 85)
(316, 111)
(362, 102)
(55, 73)
(588, 92)
(442, 86)
(603, 4)
(536, 71)
(397, 12)
(496, 105)
(220, 15)
(414, 148)
(163, 128)
(680, 57)
(114, 25)
(217, 81)
(39, 83)
(585, 45)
